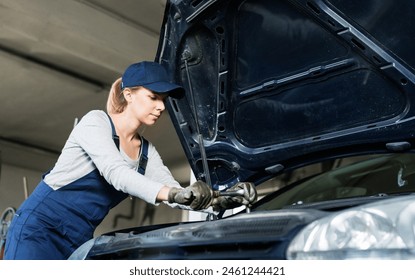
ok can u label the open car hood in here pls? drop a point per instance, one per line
(271, 84)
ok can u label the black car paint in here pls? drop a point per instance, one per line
(253, 236)
(281, 82)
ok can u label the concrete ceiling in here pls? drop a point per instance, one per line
(58, 59)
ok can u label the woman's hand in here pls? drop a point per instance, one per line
(198, 196)
(228, 202)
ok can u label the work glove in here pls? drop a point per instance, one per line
(224, 202)
(198, 196)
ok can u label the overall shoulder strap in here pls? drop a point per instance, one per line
(114, 134)
(144, 156)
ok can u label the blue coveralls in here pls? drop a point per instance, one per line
(51, 224)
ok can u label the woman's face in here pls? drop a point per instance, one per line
(146, 105)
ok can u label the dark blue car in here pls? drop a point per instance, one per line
(309, 99)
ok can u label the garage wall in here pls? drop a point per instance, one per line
(11, 185)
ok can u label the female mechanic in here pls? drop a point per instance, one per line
(105, 160)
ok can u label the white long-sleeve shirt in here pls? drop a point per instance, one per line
(90, 146)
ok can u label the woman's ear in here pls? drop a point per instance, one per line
(127, 94)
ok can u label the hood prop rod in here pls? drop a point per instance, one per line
(199, 135)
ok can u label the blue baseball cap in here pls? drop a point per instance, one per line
(151, 75)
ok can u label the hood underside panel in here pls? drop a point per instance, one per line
(270, 81)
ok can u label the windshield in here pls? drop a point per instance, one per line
(376, 175)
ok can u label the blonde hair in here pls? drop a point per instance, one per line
(116, 102)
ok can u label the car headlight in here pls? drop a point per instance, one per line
(381, 230)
